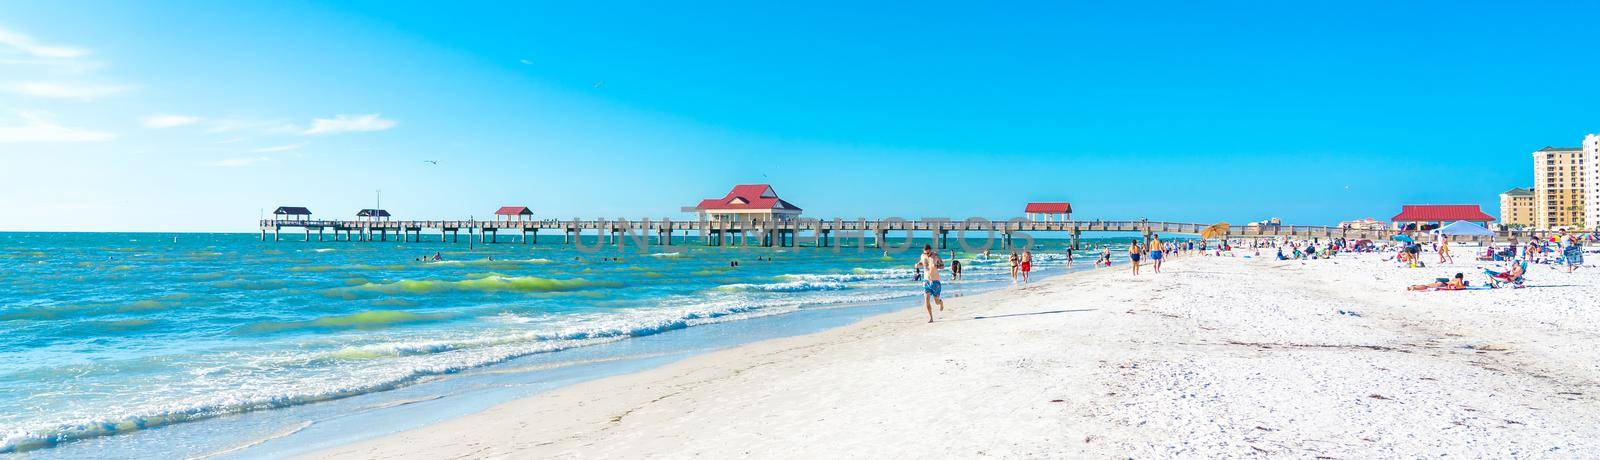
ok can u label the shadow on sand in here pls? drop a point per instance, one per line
(1051, 312)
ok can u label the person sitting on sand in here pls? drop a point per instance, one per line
(1512, 275)
(1452, 284)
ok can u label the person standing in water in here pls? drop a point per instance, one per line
(931, 288)
(1133, 256)
(1027, 264)
(1155, 252)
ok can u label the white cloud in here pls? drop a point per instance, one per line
(27, 45)
(169, 121)
(36, 128)
(265, 127)
(59, 90)
(241, 162)
(349, 124)
(281, 148)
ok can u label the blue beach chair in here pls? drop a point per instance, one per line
(1498, 279)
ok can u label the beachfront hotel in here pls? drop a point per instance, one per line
(1558, 187)
(1591, 181)
(1516, 208)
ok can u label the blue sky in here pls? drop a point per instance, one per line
(197, 115)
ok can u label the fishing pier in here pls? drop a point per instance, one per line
(786, 233)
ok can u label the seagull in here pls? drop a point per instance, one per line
(431, 162)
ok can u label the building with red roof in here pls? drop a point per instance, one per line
(513, 213)
(754, 202)
(1431, 216)
(1047, 212)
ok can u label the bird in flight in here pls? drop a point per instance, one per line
(431, 162)
(599, 83)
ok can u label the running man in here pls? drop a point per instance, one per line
(930, 288)
(1155, 252)
(1133, 256)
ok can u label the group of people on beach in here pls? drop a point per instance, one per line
(1021, 265)
(1565, 249)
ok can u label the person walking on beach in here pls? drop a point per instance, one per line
(1015, 261)
(955, 267)
(1027, 264)
(1573, 253)
(931, 288)
(1155, 252)
(1444, 250)
(1133, 256)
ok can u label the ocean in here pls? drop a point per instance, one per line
(190, 345)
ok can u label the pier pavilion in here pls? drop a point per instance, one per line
(372, 215)
(291, 213)
(513, 213)
(1056, 212)
(746, 206)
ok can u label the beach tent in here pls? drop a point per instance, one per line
(1463, 228)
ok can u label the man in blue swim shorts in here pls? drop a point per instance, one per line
(931, 288)
(1155, 251)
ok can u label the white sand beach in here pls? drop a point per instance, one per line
(1215, 357)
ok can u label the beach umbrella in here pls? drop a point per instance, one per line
(1215, 231)
(1463, 228)
(1404, 238)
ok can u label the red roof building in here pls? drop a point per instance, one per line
(1048, 212)
(1426, 216)
(513, 213)
(749, 201)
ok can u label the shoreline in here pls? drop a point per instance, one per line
(1100, 363)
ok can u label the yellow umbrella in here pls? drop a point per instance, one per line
(1215, 231)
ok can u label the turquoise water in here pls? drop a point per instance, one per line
(111, 334)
